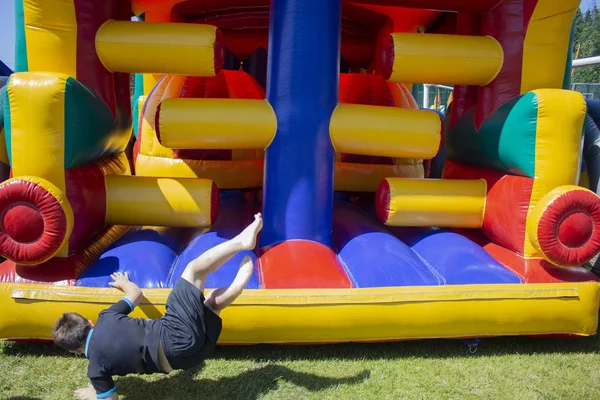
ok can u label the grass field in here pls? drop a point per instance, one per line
(506, 368)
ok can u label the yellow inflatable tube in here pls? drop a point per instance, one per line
(215, 124)
(336, 315)
(385, 131)
(442, 59)
(160, 48)
(432, 202)
(136, 200)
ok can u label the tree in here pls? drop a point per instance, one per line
(587, 38)
(579, 25)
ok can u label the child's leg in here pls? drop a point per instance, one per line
(220, 298)
(195, 272)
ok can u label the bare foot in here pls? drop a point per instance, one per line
(248, 236)
(220, 298)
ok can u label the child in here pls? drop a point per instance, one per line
(181, 339)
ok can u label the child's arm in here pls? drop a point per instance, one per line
(132, 291)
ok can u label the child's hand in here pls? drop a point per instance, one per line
(120, 279)
(132, 291)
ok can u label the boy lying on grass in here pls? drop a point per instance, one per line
(181, 339)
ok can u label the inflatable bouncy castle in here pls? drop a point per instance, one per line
(302, 110)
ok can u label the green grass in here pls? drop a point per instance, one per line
(506, 368)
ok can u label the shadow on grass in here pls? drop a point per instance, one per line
(438, 349)
(23, 398)
(22, 349)
(369, 351)
(249, 385)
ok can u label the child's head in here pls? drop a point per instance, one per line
(71, 332)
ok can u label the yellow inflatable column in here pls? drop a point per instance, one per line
(160, 48)
(429, 202)
(134, 200)
(441, 59)
(385, 131)
(215, 124)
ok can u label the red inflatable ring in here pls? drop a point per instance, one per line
(35, 220)
(568, 226)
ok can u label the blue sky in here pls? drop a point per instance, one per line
(7, 30)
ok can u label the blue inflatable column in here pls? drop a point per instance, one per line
(302, 87)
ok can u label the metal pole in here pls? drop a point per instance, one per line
(586, 62)
(425, 96)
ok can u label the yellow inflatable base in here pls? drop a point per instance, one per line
(336, 315)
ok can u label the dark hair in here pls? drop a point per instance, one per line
(71, 331)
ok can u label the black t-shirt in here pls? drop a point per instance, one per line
(121, 345)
